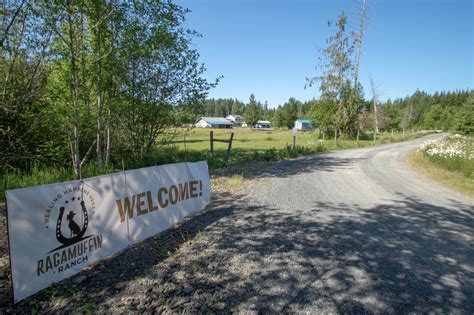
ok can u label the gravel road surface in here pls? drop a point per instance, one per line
(354, 231)
(362, 232)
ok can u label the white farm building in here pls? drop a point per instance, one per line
(214, 122)
(237, 120)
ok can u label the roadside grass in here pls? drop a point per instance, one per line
(227, 180)
(43, 175)
(455, 180)
(193, 145)
(235, 180)
(450, 162)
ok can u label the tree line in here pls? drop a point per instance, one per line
(448, 111)
(452, 111)
(252, 111)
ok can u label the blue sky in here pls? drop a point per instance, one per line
(268, 48)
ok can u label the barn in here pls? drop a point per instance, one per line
(304, 124)
(214, 122)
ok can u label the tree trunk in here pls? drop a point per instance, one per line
(110, 91)
(100, 104)
(359, 43)
(74, 93)
(107, 145)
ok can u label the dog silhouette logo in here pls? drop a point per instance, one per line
(75, 229)
(76, 232)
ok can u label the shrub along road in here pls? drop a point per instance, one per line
(349, 231)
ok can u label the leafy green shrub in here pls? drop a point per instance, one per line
(366, 135)
(270, 155)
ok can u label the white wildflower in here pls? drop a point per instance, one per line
(452, 147)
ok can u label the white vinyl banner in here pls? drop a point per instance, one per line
(56, 230)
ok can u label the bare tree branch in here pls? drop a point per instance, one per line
(7, 29)
(86, 156)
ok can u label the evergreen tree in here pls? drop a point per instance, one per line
(278, 118)
(252, 112)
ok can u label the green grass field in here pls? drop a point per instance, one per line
(244, 139)
(256, 140)
(251, 143)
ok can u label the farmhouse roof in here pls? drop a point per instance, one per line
(263, 122)
(216, 120)
(236, 116)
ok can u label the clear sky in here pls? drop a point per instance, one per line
(269, 47)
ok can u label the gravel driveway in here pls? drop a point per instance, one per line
(352, 231)
(359, 231)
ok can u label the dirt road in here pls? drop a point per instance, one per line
(353, 231)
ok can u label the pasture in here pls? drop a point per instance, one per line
(197, 139)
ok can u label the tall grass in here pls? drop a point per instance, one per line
(43, 175)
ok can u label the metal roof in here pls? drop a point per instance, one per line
(304, 121)
(263, 122)
(216, 121)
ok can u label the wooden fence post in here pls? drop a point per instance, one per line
(212, 144)
(185, 152)
(229, 148)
